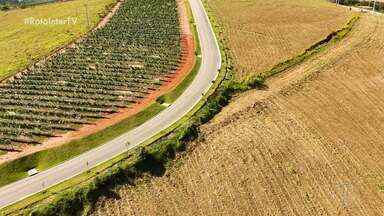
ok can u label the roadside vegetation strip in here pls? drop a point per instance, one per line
(154, 156)
(17, 169)
(379, 5)
(22, 43)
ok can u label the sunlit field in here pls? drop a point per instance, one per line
(21, 43)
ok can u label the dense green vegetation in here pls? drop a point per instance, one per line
(114, 67)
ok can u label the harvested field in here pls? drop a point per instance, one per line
(311, 144)
(263, 33)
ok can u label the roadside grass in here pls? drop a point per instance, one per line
(22, 44)
(171, 96)
(17, 169)
(174, 94)
(379, 6)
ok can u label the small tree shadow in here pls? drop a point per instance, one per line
(110, 194)
(152, 166)
(262, 87)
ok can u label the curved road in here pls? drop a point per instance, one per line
(211, 63)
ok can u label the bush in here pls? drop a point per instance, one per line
(5, 7)
(160, 99)
(187, 133)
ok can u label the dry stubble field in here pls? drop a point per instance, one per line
(311, 144)
(263, 33)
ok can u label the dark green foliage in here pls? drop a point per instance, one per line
(188, 132)
(5, 7)
(256, 82)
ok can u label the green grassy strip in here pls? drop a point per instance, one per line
(153, 158)
(45, 159)
(176, 93)
(171, 96)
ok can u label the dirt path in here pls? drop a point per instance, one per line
(106, 19)
(187, 63)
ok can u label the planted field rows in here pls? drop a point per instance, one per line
(114, 67)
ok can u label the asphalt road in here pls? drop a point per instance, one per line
(211, 62)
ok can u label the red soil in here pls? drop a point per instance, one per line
(105, 20)
(186, 65)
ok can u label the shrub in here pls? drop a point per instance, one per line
(5, 7)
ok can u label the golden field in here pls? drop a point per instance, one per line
(263, 33)
(309, 144)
